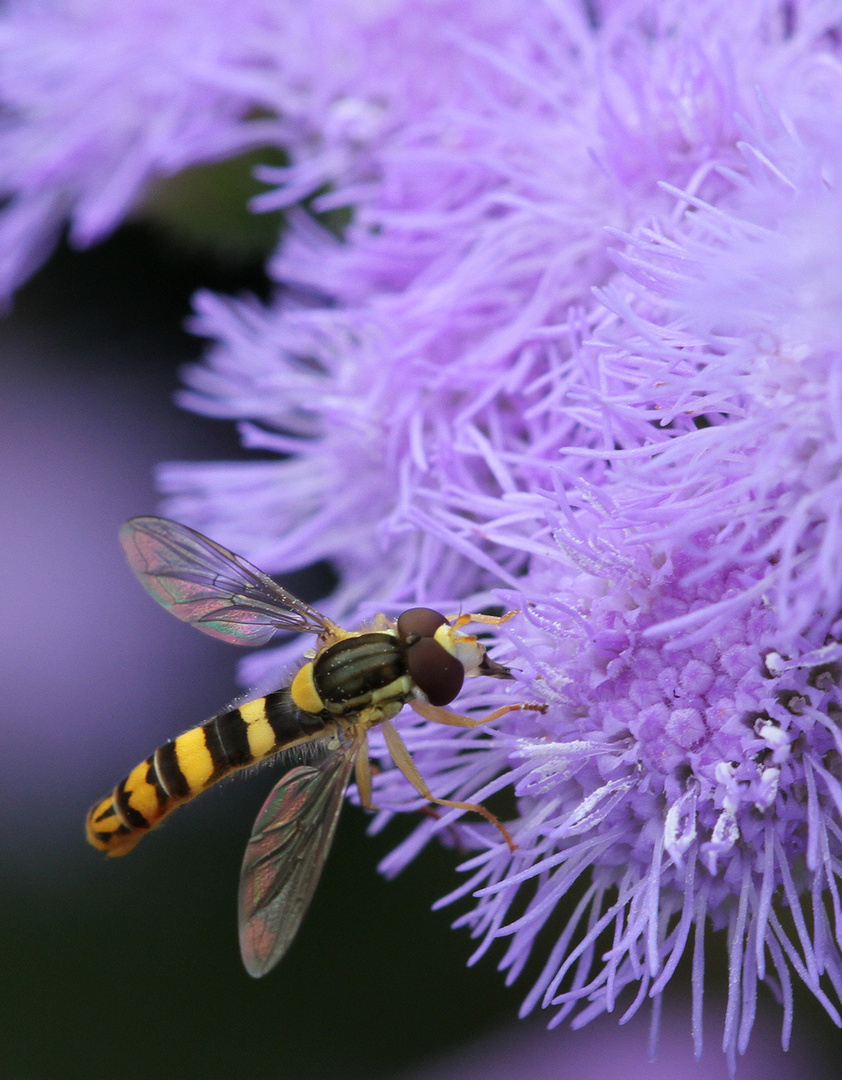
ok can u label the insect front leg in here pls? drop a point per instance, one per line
(491, 620)
(445, 716)
(403, 759)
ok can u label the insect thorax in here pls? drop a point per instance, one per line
(362, 670)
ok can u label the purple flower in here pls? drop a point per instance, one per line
(459, 296)
(527, 1050)
(650, 474)
(577, 351)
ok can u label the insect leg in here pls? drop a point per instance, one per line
(362, 768)
(445, 716)
(403, 759)
(492, 620)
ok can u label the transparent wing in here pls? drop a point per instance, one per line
(203, 583)
(290, 841)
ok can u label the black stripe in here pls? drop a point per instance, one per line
(152, 779)
(216, 751)
(232, 732)
(288, 721)
(107, 837)
(170, 776)
(129, 814)
(108, 812)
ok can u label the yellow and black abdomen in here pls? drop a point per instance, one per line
(187, 765)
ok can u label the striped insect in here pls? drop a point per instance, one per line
(355, 681)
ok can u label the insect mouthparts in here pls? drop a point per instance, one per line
(493, 670)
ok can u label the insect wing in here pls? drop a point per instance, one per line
(290, 841)
(204, 584)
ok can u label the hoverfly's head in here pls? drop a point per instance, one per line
(439, 656)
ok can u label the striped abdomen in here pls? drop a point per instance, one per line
(184, 767)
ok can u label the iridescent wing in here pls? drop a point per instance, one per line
(204, 584)
(290, 841)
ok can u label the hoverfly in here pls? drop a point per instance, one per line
(354, 681)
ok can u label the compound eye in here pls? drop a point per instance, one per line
(434, 670)
(419, 622)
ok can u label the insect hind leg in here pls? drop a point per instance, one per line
(403, 759)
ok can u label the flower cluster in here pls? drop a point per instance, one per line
(577, 352)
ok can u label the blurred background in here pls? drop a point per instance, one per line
(130, 967)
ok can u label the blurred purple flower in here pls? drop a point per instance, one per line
(578, 351)
(528, 1050)
(100, 99)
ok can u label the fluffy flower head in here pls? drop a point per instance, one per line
(734, 309)
(681, 785)
(650, 469)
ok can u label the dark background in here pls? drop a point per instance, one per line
(130, 968)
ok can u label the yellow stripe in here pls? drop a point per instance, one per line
(396, 688)
(194, 758)
(253, 711)
(99, 831)
(259, 732)
(142, 796)
(304, 692)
